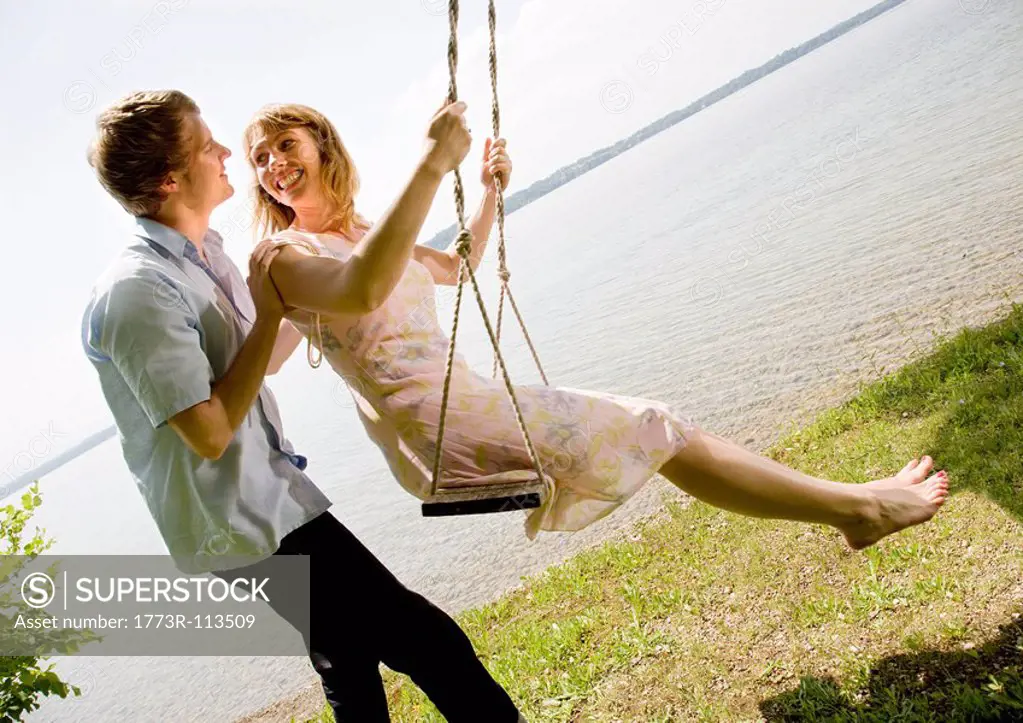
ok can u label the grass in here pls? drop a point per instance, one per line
(709, 616)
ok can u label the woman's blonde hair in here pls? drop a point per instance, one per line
(338, 176)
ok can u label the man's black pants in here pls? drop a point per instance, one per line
(361, 616)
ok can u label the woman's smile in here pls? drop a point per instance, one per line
(285, 181)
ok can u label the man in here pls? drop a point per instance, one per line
(181, 349)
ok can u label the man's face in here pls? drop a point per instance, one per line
(204, 185)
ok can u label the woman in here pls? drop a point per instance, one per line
(365, 295)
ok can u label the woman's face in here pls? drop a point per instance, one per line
(287, 165)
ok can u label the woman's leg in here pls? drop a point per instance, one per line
(726, 475)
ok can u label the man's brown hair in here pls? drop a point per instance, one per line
(139, 141)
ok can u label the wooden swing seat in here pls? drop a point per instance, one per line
(502, 492)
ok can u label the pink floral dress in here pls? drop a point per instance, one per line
(598, 448)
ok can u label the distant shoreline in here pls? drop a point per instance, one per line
(572, 171)
(35, 473)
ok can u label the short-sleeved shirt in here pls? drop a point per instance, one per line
(160, 328)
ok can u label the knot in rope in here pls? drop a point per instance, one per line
(463, 242)
(504, 275)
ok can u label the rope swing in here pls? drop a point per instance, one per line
(505, 491)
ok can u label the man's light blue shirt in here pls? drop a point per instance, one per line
(160, 328)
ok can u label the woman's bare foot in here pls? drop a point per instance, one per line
(913, 473)
(899, 502)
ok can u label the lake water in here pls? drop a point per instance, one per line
(750, 266)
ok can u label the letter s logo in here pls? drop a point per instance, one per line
(38, 590)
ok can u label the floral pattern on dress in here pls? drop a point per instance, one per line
(598, 448)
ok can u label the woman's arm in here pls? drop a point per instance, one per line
(319, 284)
(443, 265)
(288, 339)
(480, 225)
(364, 281)
(360, 283)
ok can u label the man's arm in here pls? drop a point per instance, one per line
(156, 348)
(209, 426)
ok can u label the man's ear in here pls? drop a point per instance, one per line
(170, 184)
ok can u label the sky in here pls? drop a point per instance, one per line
(574, 76)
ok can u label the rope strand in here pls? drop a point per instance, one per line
(463, 247)
(503, 274)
